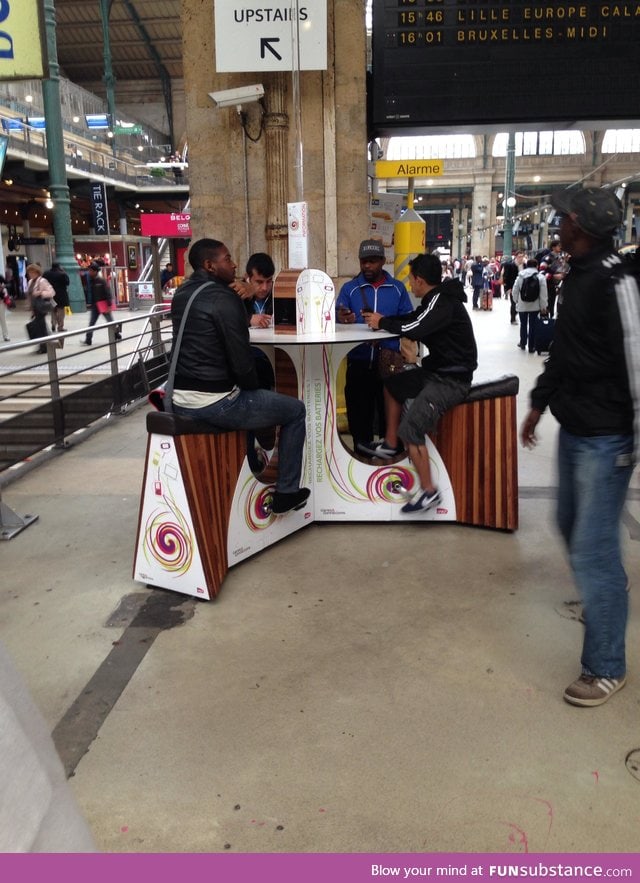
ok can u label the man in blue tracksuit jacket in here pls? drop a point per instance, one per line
(373, 289)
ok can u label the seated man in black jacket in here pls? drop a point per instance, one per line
(442, 324)
(216, 379)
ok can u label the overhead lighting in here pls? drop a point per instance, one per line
(48, 203)
(28, 98)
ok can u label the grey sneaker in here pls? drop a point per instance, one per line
(589, 690)
(422, 501)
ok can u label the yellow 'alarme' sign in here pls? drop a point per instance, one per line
(409, 168)
(21, 39)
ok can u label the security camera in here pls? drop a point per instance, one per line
(238, 97)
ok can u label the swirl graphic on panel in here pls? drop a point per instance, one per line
(167, 536)
(386, 483)
(390, 483)
(168, 540)
(256, 504)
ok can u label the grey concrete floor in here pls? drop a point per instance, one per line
(384, 688)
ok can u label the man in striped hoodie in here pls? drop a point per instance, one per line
(591, 384)
(443, 380)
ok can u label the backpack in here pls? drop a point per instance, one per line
(530, 288)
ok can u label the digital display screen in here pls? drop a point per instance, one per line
(97, 120)
(444, 63)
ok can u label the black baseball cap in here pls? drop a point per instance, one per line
(596, 210)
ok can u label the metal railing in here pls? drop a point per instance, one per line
(44, 402)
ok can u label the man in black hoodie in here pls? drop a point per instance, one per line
(442, 324)
(591, 385)
(216, 379)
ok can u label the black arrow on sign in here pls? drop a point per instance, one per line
(265, 43)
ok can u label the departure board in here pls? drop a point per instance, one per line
(443, 63)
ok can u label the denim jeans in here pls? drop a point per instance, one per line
(594, 475)
(259, 409)
(95, 315)
(528, 322)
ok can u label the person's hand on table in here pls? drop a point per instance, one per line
(372, 319)
(345, 316)
(260, 320)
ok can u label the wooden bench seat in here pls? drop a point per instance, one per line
(478, 443)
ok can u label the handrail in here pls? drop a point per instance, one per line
(39, 413)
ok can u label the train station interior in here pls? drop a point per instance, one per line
(356, 687)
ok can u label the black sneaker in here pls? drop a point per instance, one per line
(282, 502)
(380, 449)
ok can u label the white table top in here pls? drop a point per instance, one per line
(343, 334)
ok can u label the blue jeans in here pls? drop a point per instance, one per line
(594, 474)
(528, 322)
(95, 315)
(259, 409)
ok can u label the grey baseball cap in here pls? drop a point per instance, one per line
(595, 210)
(371, 248)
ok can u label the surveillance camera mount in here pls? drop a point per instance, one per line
(238, 97)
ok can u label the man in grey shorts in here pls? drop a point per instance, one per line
(442, 324)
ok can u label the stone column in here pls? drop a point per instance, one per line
(276, 130)
(482, 242)
(334, 145)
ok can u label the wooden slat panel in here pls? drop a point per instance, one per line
(210, 466)
(478, 445)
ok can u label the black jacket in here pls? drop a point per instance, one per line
(442, 324)
(510, 272)
(98, 289)
(215, 353)
(591, 381)
(60, 283)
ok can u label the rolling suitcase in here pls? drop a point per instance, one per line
(544, 334)
(487, 300)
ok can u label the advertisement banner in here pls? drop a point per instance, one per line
(99, 211)
(175, 224)
(22, 40)
(298, 235)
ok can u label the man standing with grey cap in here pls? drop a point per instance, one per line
(372, 290)
(591, 384)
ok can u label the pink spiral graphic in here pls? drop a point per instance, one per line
(168, 543)
(257, 507)
(390, 483)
